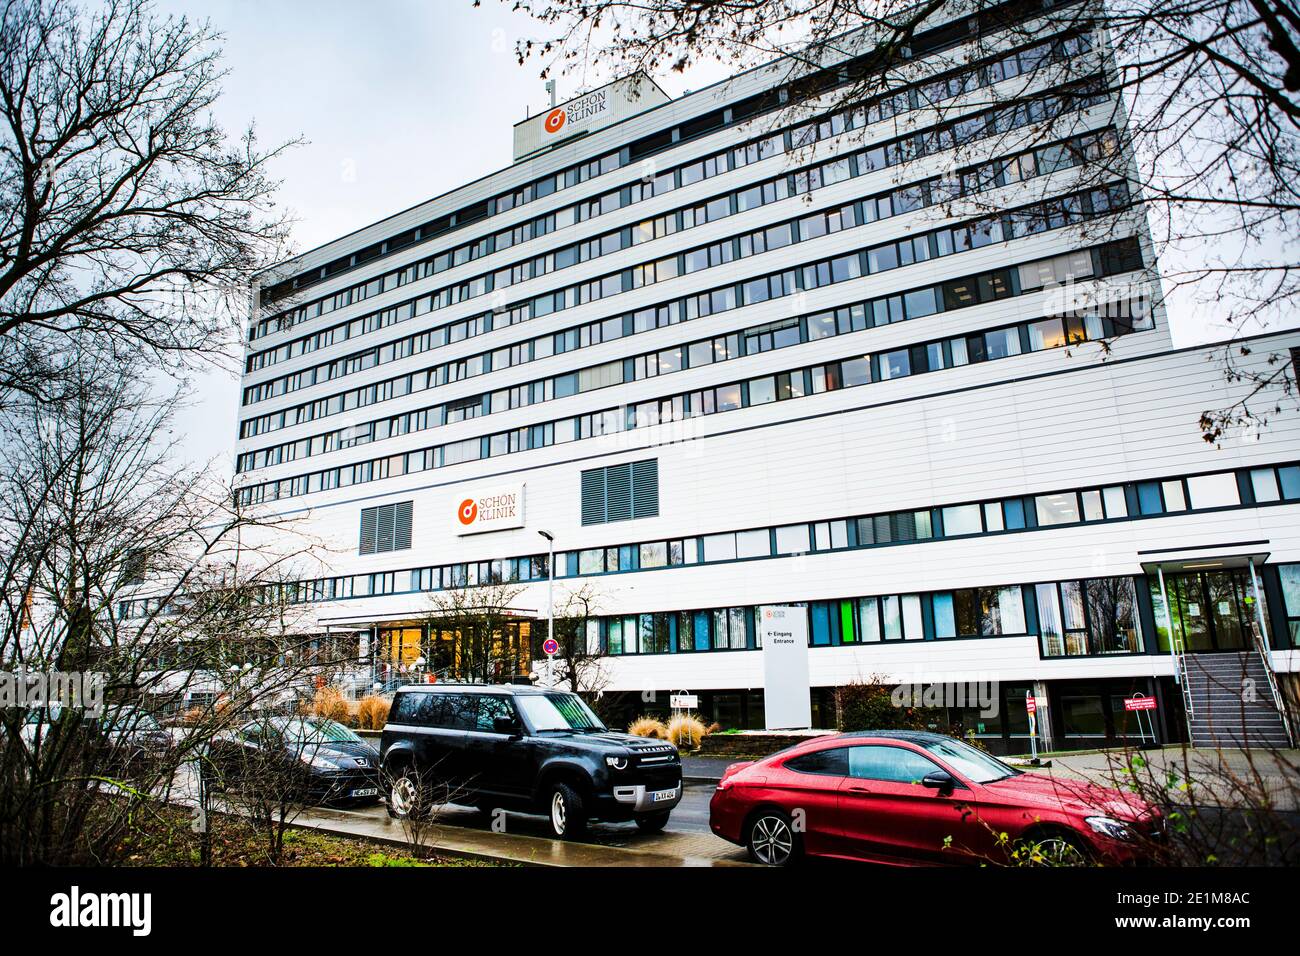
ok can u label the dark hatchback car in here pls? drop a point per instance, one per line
(524, 748)
(909, 797)
(320, 761)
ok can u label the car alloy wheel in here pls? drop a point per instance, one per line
(1058, 851)
(771, 840)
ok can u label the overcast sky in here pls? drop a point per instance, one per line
(399, 101)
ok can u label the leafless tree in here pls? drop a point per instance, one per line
(121, 569)
(471, 637)
(581, 664)
(1219, 807)
(129, 223)
(1205, 93)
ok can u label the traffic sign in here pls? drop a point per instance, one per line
(1139, 702)
(1031, 703)
(551, 646)
(684, 701)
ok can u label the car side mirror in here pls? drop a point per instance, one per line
(505, 725)
(939, 780)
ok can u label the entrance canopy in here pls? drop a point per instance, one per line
(1207, 557)
(364, 621)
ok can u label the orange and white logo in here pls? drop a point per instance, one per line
(468, 511)
(555, 120)
(489, 508)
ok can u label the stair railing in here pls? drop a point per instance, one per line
(1260, 642)
(1261, 648)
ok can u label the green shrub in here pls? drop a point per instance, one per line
(869, 706)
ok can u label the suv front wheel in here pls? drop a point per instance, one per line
(566, 812)
(405, 798)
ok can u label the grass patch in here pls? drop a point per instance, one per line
(165, 838)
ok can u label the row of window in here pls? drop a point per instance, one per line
(1077, 618)
(1100, 261)
(1120, 501)
(862, 212)
(928, 93)
(862, 369)
(945, 136)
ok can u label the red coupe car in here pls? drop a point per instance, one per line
(906, 797)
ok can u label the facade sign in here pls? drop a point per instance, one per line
(783, 631)
(490, 509)
(587, 113)
(577, 115)
(1138, 702)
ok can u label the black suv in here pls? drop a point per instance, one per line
(520, 747)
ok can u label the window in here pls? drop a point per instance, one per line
(490, 708)
(1057, 509)
(962, 519)
(1214, 491)
(1049, 621)
(792, 539)
(833, 762)
(654, 555)
(754, 544)
(1094, 617)
(1112, 616)
(889, 764)
(719, 547)
(386, 528)
(1290, 578)
(620, 492)
(1002, 611)
(1116, 502)
(1264, 483)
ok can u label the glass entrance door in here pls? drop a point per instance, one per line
(1210, 610)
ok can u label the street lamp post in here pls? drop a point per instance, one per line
(550, 598)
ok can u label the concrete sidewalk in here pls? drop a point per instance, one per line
(667, 849)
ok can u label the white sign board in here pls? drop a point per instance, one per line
(494, 508)
(684, 701)
(783, 631)
(585, 114)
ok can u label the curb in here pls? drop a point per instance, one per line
(407, 845)
(659, 858)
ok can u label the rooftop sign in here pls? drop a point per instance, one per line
(587, 113)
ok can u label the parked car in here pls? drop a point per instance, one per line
(919, 798)
(525, 748)
(321, 760)
(122, 739)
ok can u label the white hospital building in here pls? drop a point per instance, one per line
(903, 365)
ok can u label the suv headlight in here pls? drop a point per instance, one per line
(1109, 826)
(617, 763)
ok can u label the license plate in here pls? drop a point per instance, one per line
(365, 792)
(661, 795)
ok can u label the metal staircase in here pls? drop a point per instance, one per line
(1232, 700)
